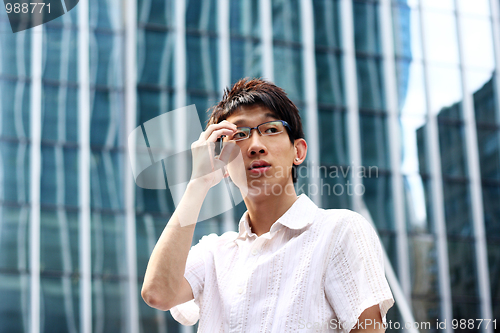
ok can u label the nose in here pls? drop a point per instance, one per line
(255, 145)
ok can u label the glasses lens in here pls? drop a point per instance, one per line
(271, 128)
(241, 134)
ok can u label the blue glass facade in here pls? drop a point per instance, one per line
(419, 106)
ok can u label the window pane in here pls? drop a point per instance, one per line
(416, 204)
(290, 80)
(59, 113)
(445, 89)
(106, 117)
(15, 108)
(452, 149)
(59, 241)
(245, 59)
(329, 78)
(366, 28)
(201, 15)
(108, 245)
(491, 198)
(202, 63)
(15, 304)
(488, 141)
(440, 31)
(109, 305)
(286, 20)
(326, 23)
(333, 137)
(60, 61)
(156, 12)
(370, 83)
(106, 170)
(60, 304)
(462, 260)
(16, 50)
(423, 266)
(457, 209)
(407, 39)
(106, 59)
(374, 147)
(15, 183)
(155, 58)
(378, 199)
(411, 88)
(244, 18)
(14, 238)
(484, 104)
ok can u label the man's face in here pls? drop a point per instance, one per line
(268, 159)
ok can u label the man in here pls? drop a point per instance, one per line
(292, 267)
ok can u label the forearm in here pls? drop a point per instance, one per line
(167, 263)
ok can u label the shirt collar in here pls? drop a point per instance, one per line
(298, 216)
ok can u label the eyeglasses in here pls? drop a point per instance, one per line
(269, 128)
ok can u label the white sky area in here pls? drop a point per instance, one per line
(444, 77)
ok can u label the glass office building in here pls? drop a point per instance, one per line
(405, 90)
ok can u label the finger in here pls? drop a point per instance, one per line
(216, 134)
(223, 124)
(229, 151)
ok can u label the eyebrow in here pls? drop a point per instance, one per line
(267, 115)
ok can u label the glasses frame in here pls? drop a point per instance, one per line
(285, 124)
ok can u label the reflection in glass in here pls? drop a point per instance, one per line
(477, 42)
(326, 23)
(373, 136)
(109, 305)
(488, 141)
(59, 303)
(244, 18)
(370, 83)
(494, 270)
(156, 12)
(14, 239)
(286, 16)
(333, 137)
(442, 5)
(59, 113)
(155, 58)
(201, 15)
(16, 50)
(59, 60)
(59, 241)
(59, 176)
(15, 166)
(407, 39)
(108, 242)
(476, 7)
(423, 266)
(416, 204)
(152, 103)
(452, 149)
(245, 58)
(411, 90)
(15, 107)
(409, 154)
(378, 199)
(440, 31)
(106, 57)
(106, 190)
(329, 78)
(457, 209)
(335, 191)
(107, 108)
(491, 198)
(445, 88)
(104, 14)
(366, 28)
(15, 304)
(202, 64)
(291, 81)
(485, 105)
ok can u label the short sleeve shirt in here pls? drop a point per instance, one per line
(316, 270)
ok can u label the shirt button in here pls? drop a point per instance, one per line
(240, 290)
(254, 252)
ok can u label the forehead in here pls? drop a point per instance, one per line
(251, 115)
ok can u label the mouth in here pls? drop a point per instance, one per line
(259, 167)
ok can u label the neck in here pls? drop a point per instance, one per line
(264, 210)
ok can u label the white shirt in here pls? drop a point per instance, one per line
(316, 270)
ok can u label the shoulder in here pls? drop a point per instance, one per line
(213, 240)
(342, 220)
(345, 227)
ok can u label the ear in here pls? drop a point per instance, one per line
(300, 146)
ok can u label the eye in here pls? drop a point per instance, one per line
(239, 135)
(272, 130)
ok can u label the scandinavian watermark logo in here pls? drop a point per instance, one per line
(161, 158)
(26, 14)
